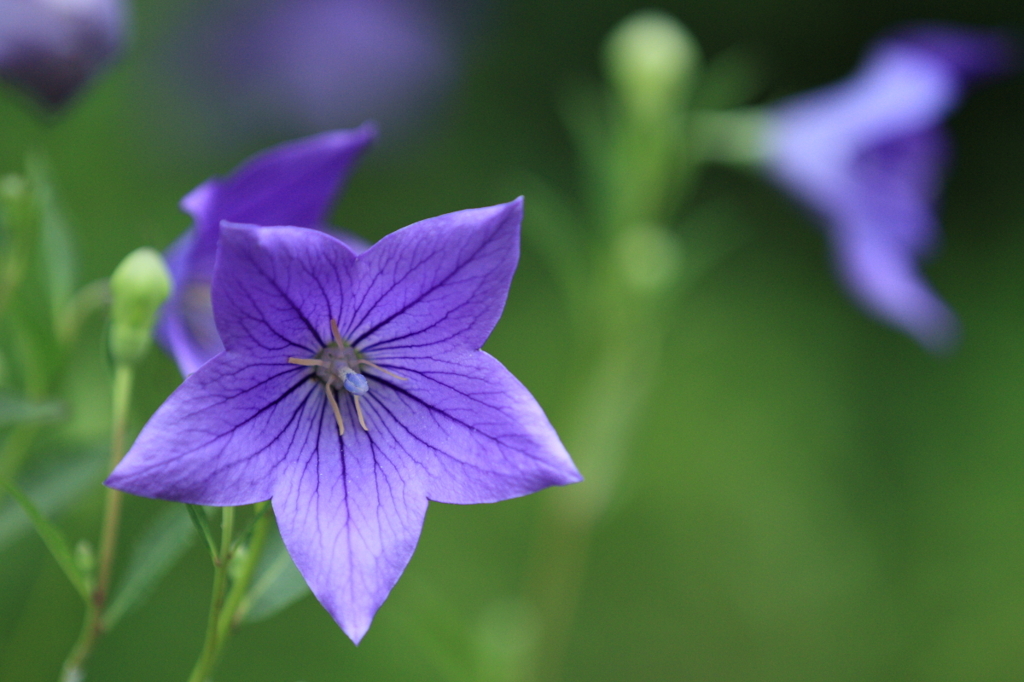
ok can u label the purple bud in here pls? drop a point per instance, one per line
(52, 47)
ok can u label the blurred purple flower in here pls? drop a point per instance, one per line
(311, 64)
(292, 184)
(352, 390)
(868, 154)
(52, 47)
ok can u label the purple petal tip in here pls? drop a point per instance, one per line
(974, 53)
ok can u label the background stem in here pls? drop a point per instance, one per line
(92, 623)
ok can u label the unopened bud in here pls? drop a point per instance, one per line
(650, 257)
(651, 59)
(51, 47)
(138, 287)
(85, 560)
(17, 207)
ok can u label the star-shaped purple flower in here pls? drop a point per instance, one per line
(352, 390)
(291, 184)
(868, 155)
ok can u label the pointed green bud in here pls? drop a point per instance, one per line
(651, 60)
(138, 287)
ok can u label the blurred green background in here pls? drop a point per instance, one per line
(810, 496)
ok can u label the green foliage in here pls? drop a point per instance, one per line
(15, 410)
(162, 545)
(202, 525)
(52, 492)
(276, 585)
(54, 540)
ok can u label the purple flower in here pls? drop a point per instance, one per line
(310, 64)
(352, 390)
(51, 47)
(868, 155)
(291, 184)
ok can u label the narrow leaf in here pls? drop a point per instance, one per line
(52, 537)
(56, 244)
(202, 524)
(278, 583)
(52, 491)
(155, 554)
(15, 410)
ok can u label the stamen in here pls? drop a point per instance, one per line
(381, 369)
(336, 334)
(334, 406)
(359, 412)
(307, 362)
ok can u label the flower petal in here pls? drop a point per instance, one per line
(276, 289)
(975, 53)
(291, 184)
(221, 436)
(350, 514)
(436, 285)
(814, 138)
(473, 428)
(186, 328)
(888, 284)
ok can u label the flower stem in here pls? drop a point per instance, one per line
(92, 623)
(598, 438)
(232, 615)
(212, 644)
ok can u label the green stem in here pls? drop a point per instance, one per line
(211, 646)
(92, 623)
(233, 614)
(597, 437)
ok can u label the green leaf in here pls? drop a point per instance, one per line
(53, 538)
(278, 583)
(56, 245)
(157, 551)
(16, 410)
(53, 491)
(202, 524)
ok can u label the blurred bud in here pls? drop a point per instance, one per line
(85, 559)
(18, 221)
(17, 208)
(52, 47)
(649, 256)
(138, 287)
(651, 59)
(238, 560)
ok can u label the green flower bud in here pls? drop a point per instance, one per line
(17, 209)
(84, 558)
(650, 257)
(651, 59)
(139, 286)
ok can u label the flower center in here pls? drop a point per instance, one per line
(338, 365)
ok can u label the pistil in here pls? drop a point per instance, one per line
(338, 363)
